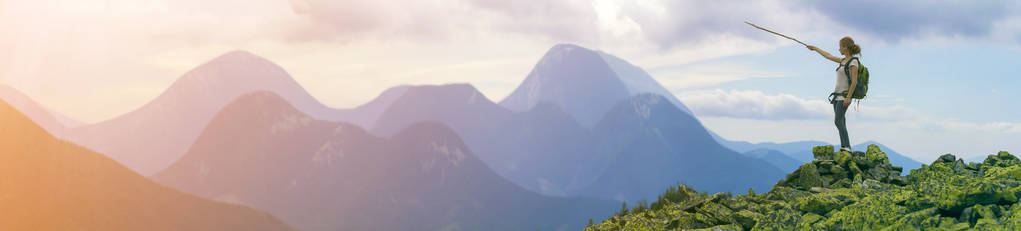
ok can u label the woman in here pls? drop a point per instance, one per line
(840, 100)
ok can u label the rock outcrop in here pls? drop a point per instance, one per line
(840, 169)
(849, 191)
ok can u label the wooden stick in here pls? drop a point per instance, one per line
(767, 30)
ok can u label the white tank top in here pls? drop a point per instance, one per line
(842, 84)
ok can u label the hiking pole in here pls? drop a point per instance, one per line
(767, 30)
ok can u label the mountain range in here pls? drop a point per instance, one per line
(579, 121)
(544, 150)
(50, 184)
(585, 83)
(646, 142)
(175, 118)
(321, 175)
(800, 151)
(52, 122)
(530, 148)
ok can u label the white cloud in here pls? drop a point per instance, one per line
(758, 105)
(103, 54)
(710, 74)
(753, 104)
(897, 20)
(906, 137)
(758, 117)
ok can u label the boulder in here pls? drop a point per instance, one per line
(823, 152)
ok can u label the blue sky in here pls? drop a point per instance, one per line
(943, 75)
(969, 82)
(963, 88)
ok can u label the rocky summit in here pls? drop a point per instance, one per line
(848, 191)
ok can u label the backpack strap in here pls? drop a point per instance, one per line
(847, 71)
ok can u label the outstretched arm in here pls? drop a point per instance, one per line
(824, 54)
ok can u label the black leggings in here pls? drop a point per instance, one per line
(840, 121)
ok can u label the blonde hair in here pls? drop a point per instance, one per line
(851, 47)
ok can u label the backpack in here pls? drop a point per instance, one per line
(863, 79)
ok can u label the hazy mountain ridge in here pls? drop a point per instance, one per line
(50, 184)
(536, 145)
(798, 150)
(177, 116)
(530, 148)
(574, 78)
(776, 158)
(637, 81)
(648, 141)
(45, 118)
(423, 177)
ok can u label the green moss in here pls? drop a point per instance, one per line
(746, 218)
(918, 220)
(823, 152)
(988, 224)
(808, 221)
(842, 157)
(870, 213)
(823, 203)
(726, 227)
(781, 219)
(780, 193)
(863, 191)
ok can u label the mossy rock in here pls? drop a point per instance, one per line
(824, 166)
(716, 214)
(691, 221)
(1004, 159)
(823, 203)
(975, 213)
(747, 218)
(860, 191)
(842, 157)
(988, 224)
(807, 177)
(945, 158)
(1012, 217)
(823, 152)
(782, 219)
(919, 220)
(808, 220)
(780, 193)
(874, 212)
(727, 227)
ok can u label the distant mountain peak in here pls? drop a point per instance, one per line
(433, 102)
(238, 54)
(585, 83)
(575, 78)
(440, 139)
(565, 50)
(232, 66)
(639, 81)
(462, 92)
(263, 101)
(565, 46)
(184, 109)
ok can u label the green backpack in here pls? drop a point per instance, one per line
(863, 79)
